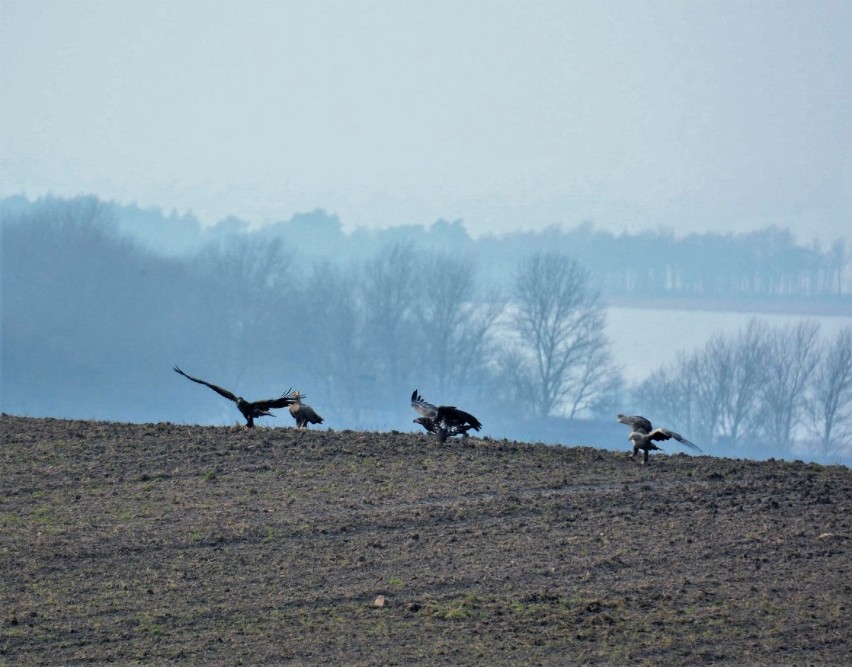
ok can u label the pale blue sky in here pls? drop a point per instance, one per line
(700, 115)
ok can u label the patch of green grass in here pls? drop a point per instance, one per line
(466, 607)
(526, 610)
(151, 625)
(9, 519)
(44, 515)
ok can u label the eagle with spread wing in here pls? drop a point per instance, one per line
(643, 435)
(251, 410)
(444, 421)
(302, 413)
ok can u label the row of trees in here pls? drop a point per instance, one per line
(766, 263)
(762, 385)
(367, 330)
(91, 323)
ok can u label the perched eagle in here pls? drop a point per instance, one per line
(444, 421)
(643, 436)
(251, 410)
(303, 414)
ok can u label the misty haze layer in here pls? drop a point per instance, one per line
(700, 116)
(93, 320)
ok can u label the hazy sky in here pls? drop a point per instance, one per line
(701, 115)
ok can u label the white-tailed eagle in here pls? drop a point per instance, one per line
(251, 410)
(303, 414)
(444, 421)
(643, 435)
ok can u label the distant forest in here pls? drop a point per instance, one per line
(99, 301)
(759, 265)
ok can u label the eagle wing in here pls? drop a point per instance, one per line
(452, 415)
(665, 434)
(222, 392)
(282, 401)
(636, 422)
(422, 407)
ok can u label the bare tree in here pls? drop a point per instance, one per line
(836, 261)
(594, 385)
(242, 304)
(711, 369)
(560, 321)
(750, 353)
(331, 324)
(454, 326)
(790, 364)
(831, 393)
(671, 391)
(387, 289)
(727, 375)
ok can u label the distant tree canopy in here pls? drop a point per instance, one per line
(760, 264)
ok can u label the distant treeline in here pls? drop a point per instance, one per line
(92, 323)
(513, 328)
(768, 263)
(762, 385)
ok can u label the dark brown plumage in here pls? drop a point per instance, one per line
(445, 421)
(303, 414)
(251, 410)
(643, 435)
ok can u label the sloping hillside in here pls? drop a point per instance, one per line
(163, 543)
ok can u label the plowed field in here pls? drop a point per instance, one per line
(163, 543)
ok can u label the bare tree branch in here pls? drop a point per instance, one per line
(831, 394)
(790, 364)
(560, 322)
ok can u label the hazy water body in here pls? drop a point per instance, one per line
(645, 339)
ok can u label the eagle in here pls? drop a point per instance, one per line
(251, 410)
(444, 421)
(303, 414)
(643, 435)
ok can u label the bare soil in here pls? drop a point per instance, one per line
(163, 543)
